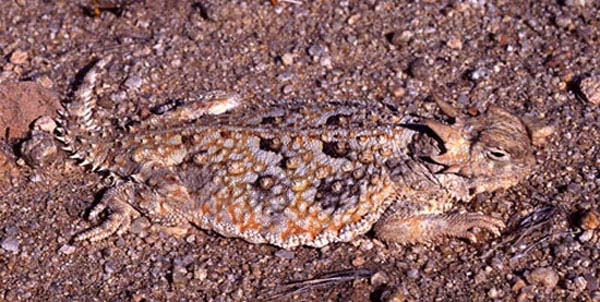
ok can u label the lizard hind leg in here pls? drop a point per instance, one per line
(429, 227)
(116, 199)
(213, 103)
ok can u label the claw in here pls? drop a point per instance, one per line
(107, 228)
(116, 199)
(96, 210)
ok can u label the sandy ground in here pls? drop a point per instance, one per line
(529, 58)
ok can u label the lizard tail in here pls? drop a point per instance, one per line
(77, 129)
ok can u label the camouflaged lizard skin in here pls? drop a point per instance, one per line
(295, 173)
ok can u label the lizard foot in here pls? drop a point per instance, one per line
(426, 228)
(119, 219)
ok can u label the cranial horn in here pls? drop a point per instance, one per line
(444, 159)
(445, 132)
(453, 169)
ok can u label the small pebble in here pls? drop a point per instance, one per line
(580, 283)
(200, 273)
(413, 273)
(379, 278)
(316, 50)
(140, 225)
(287, 89)
(326, 62)
(287, 59)
(518, 285)
(493, 293)
(398, 92)
(590, 220)
(399, 38)
(10, 244)
(590, 88)
(563, 21)
(358, 261)
(45, 123)
(285, 76)
(133, 82)
(285, 254)
(18, 57)
(454, 43)
(366, 245)
(109, 267)
(39, 150)
(45, 82)
(419, 69)
(586, 236)
(545, 276)
(67, 249)
(353, 19)
(478, 74)
(179, 274)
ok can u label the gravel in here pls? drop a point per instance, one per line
(10, 244)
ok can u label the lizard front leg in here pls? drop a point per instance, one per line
(116, 199)
(159, 196)
(429, 227)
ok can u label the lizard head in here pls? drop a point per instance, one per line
(489, 151)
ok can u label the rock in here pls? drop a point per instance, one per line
(545, 276)
(200, 273)
(400, 38)
(590, 89)
(413, 273)
(358, 261)
(590, 220)
(379, 278)
(353, 19)
(23, 102)
(454, 43)
(419, 69)
(109, 267)
(580, 283)
(287, 59)
(317, 50)
(493, 293)
(45, 82)
(285, 254)
(519, 283)
(586, 236)
(398, 295)
(45, 123)
(18, 57)
(140, 225)
(67, 249)
(10, 244)
(133, 82)
(398, 91)
(39, 150)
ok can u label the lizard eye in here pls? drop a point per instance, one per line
(497, 154)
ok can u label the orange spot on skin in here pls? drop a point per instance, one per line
(251, 223)
(204, 209)
(231, 211)
(314, 228)
(292, 229)
(335, 227)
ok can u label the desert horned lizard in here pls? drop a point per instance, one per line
(297, 173)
